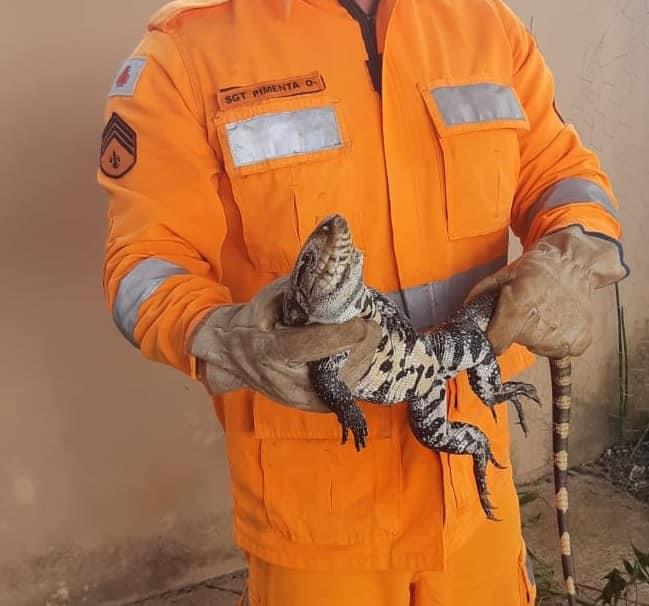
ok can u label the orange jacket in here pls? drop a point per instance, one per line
(235, 127)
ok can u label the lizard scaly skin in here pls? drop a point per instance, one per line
(327, 287)
(560, 375)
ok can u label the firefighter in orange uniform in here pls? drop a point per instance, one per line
(233, 128)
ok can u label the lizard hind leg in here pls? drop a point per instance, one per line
(512, 390)
(469, 439)
(428, 419)
(486, 383)
(332, 390)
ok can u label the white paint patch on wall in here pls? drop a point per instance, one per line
(61, 597)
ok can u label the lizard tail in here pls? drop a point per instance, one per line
(560, 373)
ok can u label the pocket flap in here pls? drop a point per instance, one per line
(457, 108)
(276, 421)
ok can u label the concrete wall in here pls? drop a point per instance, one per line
(599, 53)
(113, 481)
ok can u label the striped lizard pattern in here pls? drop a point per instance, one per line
(326, 286)
(561, 376)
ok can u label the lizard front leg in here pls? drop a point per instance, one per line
(331, 389)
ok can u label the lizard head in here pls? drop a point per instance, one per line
(326, 285)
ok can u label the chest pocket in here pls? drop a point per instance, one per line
(288, 162)
(478, 126)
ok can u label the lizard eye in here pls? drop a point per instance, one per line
(296, 315)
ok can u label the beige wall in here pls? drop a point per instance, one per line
(112, 475)
(113, 481)
(599, 52)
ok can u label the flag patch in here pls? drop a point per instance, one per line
(127, 78)
(118, 148)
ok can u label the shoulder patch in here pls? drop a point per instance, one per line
(173, 9)
(118, 148)
(127, 77)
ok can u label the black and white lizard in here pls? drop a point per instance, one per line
(326, 286)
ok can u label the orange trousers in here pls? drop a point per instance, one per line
(488, 570)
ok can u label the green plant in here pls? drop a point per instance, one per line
(621, 588)
(623, 365)
(621, 585)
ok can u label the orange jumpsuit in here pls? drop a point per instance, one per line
(233, 128)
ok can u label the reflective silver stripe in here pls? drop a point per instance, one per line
(135, 288)
(477, 103)
(572, 190)
(282, 135)
(433, 303)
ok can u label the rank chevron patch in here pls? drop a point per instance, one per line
(118, 148)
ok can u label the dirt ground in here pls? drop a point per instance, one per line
(605, 522)
(224, 591)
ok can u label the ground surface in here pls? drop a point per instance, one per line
(605, 521)
(224, 591)
(627, 466)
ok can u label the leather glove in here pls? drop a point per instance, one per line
(545, 295)
(247, 346)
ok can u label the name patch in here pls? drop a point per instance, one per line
(289, 87)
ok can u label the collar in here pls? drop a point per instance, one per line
(283, 7)
(385, 8)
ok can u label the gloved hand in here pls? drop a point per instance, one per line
(246, 346)
(545, 295)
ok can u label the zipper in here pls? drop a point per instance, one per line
(367, 23)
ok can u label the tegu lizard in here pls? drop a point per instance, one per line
(326, 286)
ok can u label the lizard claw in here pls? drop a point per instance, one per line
(488, 508)
(494, 414)
(521, 414)
(512, 391)
(479, 467)
(495, 462)
(490, 515)
(352, 419)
